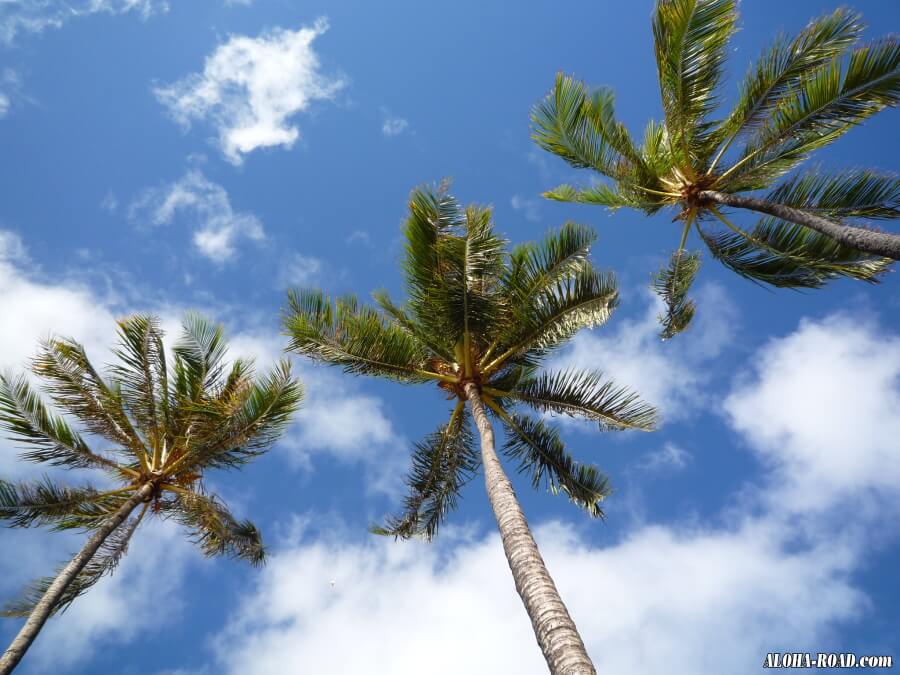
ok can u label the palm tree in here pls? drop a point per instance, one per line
(167, 425)
(801, 95)
(478, 322)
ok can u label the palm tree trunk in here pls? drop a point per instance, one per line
(555, 631)
(45, 605)
(877, 243)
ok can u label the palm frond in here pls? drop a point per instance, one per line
(401, 317)
(28, 421)
(44, 502)
(581, 127)
(783, 66)
(672, 284)
(848, 194)
(604, 195)
(199, 357)
(104, 563)
(441, 465)
(584, 394)
(534, 267)
(542, 454)
(356, 338)
(821, 108)
(690, 37)
(76, 387)
(141, 374)
(582, 300)
(235, 430)
(787, 255)
(214, 529)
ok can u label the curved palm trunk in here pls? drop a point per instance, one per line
(868, 241)
(555, 631)
(45, 605)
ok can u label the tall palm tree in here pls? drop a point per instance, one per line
(802, 94)
(167, 424)
(478, 322)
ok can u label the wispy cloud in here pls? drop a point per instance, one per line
(669, 456)
(301, 270)
(530, 208)
(394, 126)
(251, 88)
(35, 16)
(205, 207)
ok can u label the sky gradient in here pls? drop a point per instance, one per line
(173, 156)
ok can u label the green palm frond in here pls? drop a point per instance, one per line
(199, 357)
(821, 108)
(214, 529)
(581, 127)
(672, 284)
(29, 422)
(235, 430)
(44, 502)
(356, 338)
(583, 394)
(784, 65)
(690, 37)
(786, 255)
(603, 195)
(581, 300)
(400, 315)
(848, 194)
(470, 266)
(104, 563)
(441, 465)
(141, 374)
(75, 386)
(542, 455)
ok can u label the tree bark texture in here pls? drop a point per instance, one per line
(45, 605)
(553, 627)
(877, 243)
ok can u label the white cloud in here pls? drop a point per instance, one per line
(821, 408)
(670, 375)
(669, 456)
(206, 207)
(394, 126)
(301, 270)
(250, 88)
(116, 611)
(10, 90)
(661, 597)
(780, 580)
(35, 16)
(530, 208)
(359, 237)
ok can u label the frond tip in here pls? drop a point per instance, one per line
(672, 283)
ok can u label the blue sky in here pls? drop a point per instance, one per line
(172, 156)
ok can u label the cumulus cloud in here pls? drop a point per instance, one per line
(661, 597)
(670, 375)
(251, 89)
(204, 206)
(820, 407)
(35, 16)
(765, 577)
(115, 611)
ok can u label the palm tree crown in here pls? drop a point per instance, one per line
(166, 424)
(802, 94)
(478, 314)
